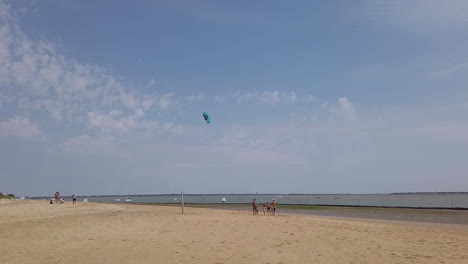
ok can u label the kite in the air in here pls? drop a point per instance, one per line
(207, 117)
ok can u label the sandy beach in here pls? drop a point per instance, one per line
(37, 232)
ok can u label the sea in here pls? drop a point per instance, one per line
(436, 200)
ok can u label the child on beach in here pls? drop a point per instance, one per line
(264, 209)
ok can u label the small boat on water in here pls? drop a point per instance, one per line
(318, 197)
(117, 200)
(223, 200)
(129, 200)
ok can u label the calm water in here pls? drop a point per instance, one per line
(435, 200)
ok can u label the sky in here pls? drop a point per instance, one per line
(106, 97)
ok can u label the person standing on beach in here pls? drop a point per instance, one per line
(74, 198)
(273, 205)
(268, 206)
(57, 197)
(254, 207)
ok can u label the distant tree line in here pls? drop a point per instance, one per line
(8, 196)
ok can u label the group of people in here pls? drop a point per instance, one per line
(268, 208)
(59, 200)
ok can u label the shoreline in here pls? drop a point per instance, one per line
(394, 213)
(423, 215)
(315, 205)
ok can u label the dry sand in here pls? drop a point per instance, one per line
(37, 232)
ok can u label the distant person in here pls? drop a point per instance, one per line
(254, 207)
(264, 209)
(273, 205)
(74, 198)
(57, 197)
(268, 207)
(51, 201)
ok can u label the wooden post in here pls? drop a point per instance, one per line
(182, 202)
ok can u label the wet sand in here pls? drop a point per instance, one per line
(37, 232)
(446, 216)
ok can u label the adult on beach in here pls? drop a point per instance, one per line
(254, 207)
(273, 205)
(57, 197)
(74, 198)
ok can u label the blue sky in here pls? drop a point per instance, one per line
(306, 96)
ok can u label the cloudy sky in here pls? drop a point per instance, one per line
(106, 97)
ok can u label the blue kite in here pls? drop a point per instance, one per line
(207, 117)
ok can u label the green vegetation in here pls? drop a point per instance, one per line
(8, 196)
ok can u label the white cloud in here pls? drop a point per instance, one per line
(5, 12)
(113, 121)
(139, 113)
(49, 81)
(170, 127)
(246, 96)
(345, 104)
(147, 103)
(166, 101)
(115, 112)
(82, 140)
(129, 100)
(107, 145)
(151, 82)
(266, 97)
(290, 97)
(270, 97)
(39, 78)
(311, 99)
(20, 127)
(195, 98)
(262, 155)
(343, 110)
(107, 122)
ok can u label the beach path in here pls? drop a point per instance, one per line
(37, 232)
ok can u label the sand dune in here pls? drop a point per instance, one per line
(37, 232)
